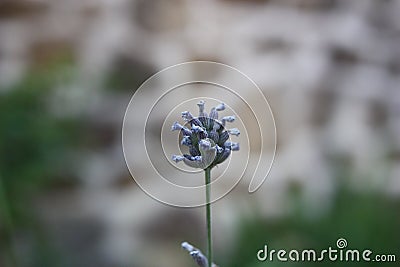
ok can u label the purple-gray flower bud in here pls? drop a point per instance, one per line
(234, 131)
(187, 116)
(220, 107)
(176, 126)
(213, 114)
(199, 258)
(201, 108)
(227, 119)
(186, 141)
(177, 158)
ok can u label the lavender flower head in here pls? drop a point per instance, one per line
(206, 138)
(197, 255)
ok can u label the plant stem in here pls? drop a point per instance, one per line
(208, 215)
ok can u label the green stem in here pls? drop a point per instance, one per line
(208, 215)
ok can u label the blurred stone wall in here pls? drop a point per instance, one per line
(330, 70)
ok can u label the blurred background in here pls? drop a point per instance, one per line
(329, 68)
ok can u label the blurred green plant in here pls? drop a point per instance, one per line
(34, 147)
(365, 220)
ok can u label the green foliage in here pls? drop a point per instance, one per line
(34, 147)
(366, 221)
(32, 141)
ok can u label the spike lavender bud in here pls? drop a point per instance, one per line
(227, 119)
(206, 138)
